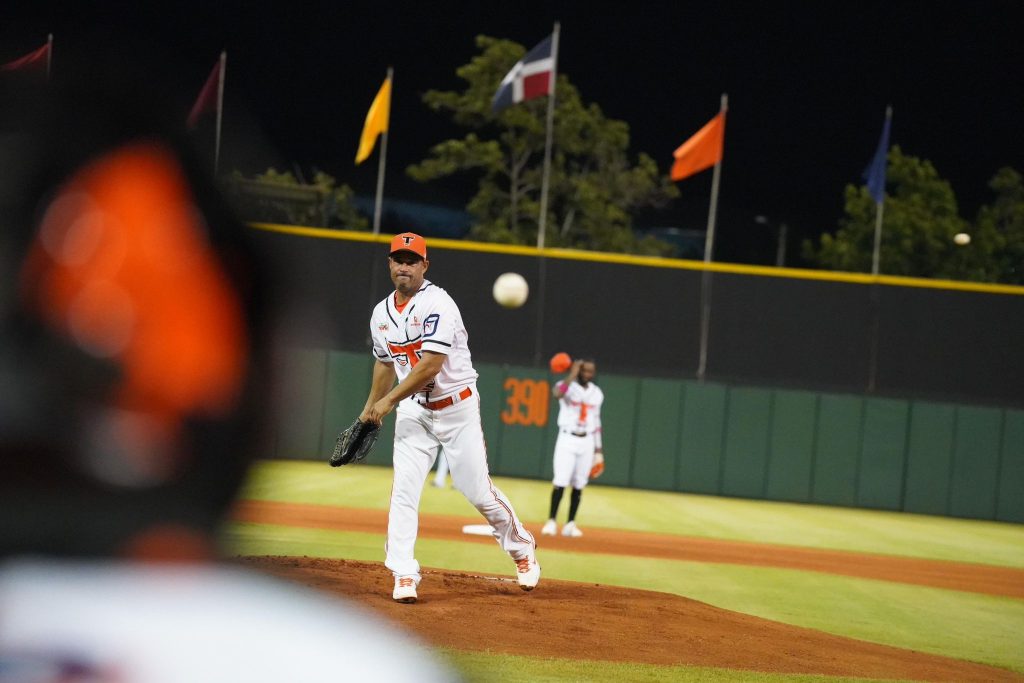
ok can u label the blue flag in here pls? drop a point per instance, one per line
(874, 174)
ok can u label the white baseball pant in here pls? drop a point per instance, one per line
(457, 428)
(574, 456)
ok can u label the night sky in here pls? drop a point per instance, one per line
(808, 83)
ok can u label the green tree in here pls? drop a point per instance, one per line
(593, 186)
(1000, 229)
(920, 218)
(277, 197)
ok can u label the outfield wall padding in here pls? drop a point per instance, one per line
(1011, 468)
(791, 446)
(837, 450)
(703, 430)
(929, 458)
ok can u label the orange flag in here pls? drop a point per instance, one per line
(701, 151)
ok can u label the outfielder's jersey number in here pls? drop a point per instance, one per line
(527, 401)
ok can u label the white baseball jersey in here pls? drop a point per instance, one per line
(579, 434)
(580, 408)
(430, 321)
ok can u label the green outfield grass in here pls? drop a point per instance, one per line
(958, 624)
(816, 526)
(480, 667)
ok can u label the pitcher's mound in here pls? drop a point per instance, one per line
(568, 620)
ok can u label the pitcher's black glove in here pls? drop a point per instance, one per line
(354, 443)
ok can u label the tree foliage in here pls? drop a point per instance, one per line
(920, 220)
(1001, 225)
(276, 197)
(593, 185)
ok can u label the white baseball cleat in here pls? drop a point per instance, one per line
(550, 528)
(527, 573)
(571, 529)
(405, 589)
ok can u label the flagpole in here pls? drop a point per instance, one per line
(542, 220)
(220, 109)
(709, 239)
(379, 201)
(49, 55)
(879, 209)
(709, 245)
(877, 254)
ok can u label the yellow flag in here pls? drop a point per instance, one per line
(376, 121)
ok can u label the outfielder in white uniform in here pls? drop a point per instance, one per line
(578, 446)
(419, 337)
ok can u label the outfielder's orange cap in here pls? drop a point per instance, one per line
(409, 241)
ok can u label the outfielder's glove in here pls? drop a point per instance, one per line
(597, 469)
(354, 443)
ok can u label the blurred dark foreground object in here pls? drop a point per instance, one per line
(136, 336)
(135, 329)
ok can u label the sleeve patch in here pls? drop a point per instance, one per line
(430, 324)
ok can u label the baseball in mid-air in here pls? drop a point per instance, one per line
(510, 290)
(962, 238)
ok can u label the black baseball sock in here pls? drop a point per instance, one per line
(574, 503)
(556, 498)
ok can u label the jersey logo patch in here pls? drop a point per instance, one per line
(430, 324)
(383, 327)
(409, 354)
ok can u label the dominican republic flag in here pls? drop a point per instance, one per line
(529, 78)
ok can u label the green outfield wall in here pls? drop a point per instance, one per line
(681, 435)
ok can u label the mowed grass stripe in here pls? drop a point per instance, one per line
(481, 667)
(814, 526)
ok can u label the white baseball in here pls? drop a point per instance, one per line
(510, 290)
(962, 238)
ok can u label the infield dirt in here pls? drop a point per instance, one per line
(564, 619)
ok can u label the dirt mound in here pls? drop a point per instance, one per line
(591, 621)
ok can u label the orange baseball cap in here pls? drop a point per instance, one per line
(409, 241)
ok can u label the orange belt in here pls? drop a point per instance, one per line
(445, 402)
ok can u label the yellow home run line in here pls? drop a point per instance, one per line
(652, 261)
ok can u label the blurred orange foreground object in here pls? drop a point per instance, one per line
(123, 267)
(560, 362)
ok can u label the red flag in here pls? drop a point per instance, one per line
(207, 100)
(33, 59)
(701, 151)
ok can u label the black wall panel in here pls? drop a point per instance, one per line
(824, 335)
